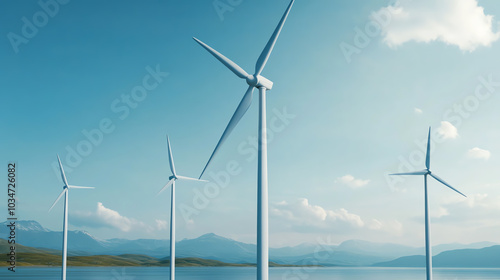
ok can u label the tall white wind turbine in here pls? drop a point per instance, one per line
(425, 172)
(263, 84)
(65, 192)
(171, 182)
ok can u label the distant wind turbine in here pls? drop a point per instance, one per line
(263, 84)
(171, 181)
(65, 192)
(425, 172)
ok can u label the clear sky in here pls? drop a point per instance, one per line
(356, 86)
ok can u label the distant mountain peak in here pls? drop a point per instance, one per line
(354, 241)
(82, 232)
(210, 234)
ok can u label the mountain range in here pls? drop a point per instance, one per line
(214, 247)
(488, 257)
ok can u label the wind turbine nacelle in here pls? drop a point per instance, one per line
(259, 81)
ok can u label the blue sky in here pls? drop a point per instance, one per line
(340, 123)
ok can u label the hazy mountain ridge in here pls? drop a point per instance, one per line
(214, 247)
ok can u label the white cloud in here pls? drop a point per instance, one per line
(418, 111)
(479, 200)
(447, 130)
(344, 215)
(113, 218)
(375, 224)
(301, 216)
(301, 213)
(477, 153)
(478, 208)
(456, 22)
(352, 182)
(161, 224)
(440, 212)
(470, 219)
(105, 217)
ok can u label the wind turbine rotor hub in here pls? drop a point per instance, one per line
(172, 177)
(259, 81)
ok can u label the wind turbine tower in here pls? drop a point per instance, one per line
(171, 182)
(65, 192)
(263, 84)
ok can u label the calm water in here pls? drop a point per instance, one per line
(227, 273)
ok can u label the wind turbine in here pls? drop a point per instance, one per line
(263, 84)
(65, 192)
(425, 172)
(171, 181)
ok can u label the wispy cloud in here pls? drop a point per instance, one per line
(447, 130)
(479, 209)
(477, 153)
(418, 111)
(352, 182)
(456, 22)
(301, 213)
(302, 216)
(161, 224)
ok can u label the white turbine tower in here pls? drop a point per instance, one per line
(65, 192)
(263, 84)
(425, 172)
(171, 181)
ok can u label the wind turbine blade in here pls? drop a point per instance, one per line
(422, 172)
(170, 157)
(191, 179)
(446, 184)
(226, 61)
(428, 154)
(59, 197)
(78, 187)
(63, 176)
(238, 114)
(264, 56)
(166, 186)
